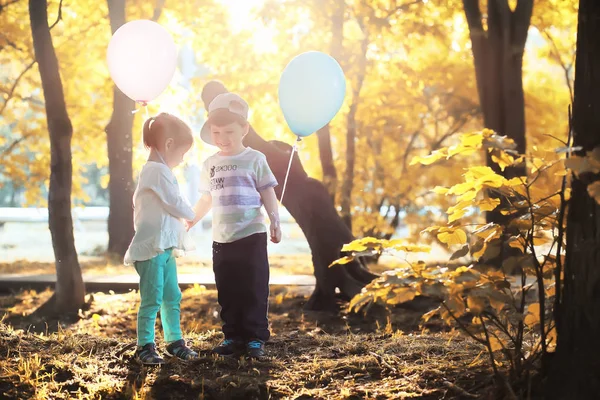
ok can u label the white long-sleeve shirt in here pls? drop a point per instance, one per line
(158, 212)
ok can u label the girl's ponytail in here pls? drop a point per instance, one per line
(147, 135)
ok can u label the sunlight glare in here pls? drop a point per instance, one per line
(241, 14)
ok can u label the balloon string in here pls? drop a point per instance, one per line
(144, 105)
(287, 174)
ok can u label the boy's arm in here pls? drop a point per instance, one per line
(203, 205)
(168, 193)
(201, 208)
(270, 201)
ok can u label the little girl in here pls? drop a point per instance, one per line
(159, 230)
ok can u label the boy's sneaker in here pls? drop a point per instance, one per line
(180, 350)
(256, 349)
(147, 355)
(228, 347)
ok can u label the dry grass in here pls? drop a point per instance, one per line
(381, 356)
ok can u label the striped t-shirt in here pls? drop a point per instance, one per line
(235, 183)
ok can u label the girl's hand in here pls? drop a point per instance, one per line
(275, 233)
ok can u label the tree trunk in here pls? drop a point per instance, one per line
(310, 204)
(348, 182)
(498, 58)
(324, 134)
(70, 291)
(119, 132)
(576, 364)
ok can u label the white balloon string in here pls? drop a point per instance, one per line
(287, 174)
(143, 105)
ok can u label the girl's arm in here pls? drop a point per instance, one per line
(167, 191)
(201, 208)
(270, 201)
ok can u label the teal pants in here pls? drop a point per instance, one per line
(159, 290)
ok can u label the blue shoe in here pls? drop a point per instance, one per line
(180, 350)
(147, 355)
(256, 349)
(229, 347)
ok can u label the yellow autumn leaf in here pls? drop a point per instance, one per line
(497, 305)
(428, 315)
(533, 314)
(471, 139)
(401, 295)
(462, 188)
(429, 159)
(342, 261)
(452, 236)
(456, 215)
(478, 249)
(469, 196)
(488, 204)
(440, 190)
(478, 172)
(495, 344)
(476, 304)
(503, 160)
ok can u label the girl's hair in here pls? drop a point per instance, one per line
(166, 126)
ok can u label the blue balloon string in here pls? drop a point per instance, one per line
(287, 174)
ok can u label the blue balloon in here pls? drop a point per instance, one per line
(311, 91)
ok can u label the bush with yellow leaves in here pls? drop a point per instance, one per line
(507, 308)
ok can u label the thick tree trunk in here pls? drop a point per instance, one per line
(310, 204)
(576, 365)
(348, 182)
(70, 291)
(324, 134)
(119, 140)
(498, 58)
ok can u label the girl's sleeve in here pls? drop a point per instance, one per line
(264, 176)
(164, 184)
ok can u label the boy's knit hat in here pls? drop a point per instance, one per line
(225, 101)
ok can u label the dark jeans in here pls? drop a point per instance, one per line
(242, 277)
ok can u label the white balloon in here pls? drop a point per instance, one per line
(142, 58)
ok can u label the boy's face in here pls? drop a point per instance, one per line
(229, 138)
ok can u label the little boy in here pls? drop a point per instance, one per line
(235, 183)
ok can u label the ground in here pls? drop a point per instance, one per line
(384, 355)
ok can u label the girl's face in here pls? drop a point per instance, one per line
(174, 154)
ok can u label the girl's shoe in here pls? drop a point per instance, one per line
(180, 350)
(147, 355)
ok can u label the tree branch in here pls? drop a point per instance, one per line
(403, 7)
(8, 3)
(8, 149)
(566, 68)
(160, 4)
(473, 14)
(521, 20)
(59, 16)
(11, 92)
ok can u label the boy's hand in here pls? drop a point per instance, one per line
(275, 233)
(189, 224)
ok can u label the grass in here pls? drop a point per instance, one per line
(382, 356)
